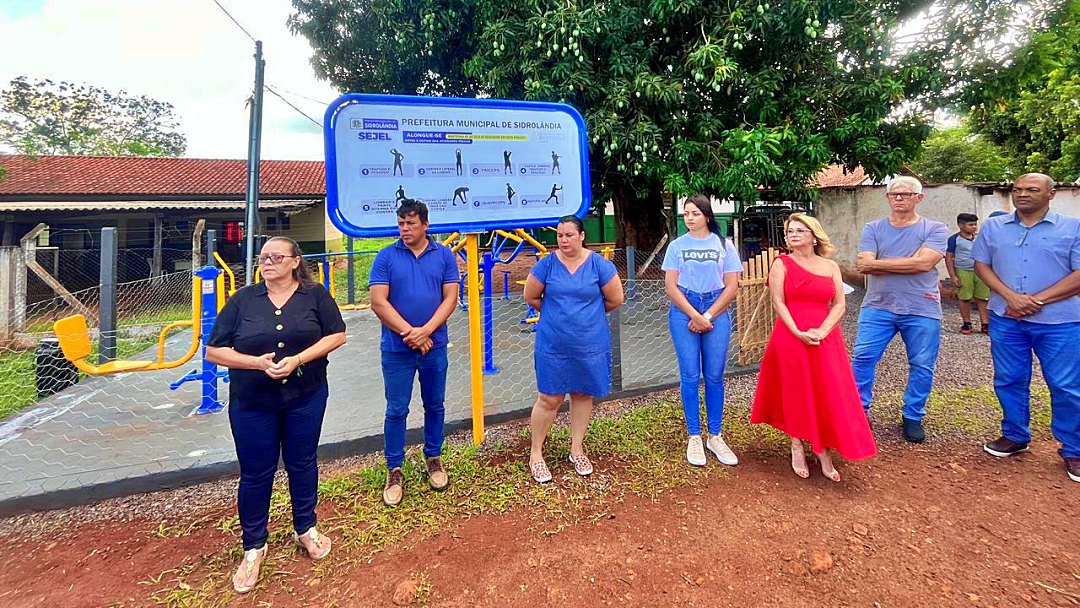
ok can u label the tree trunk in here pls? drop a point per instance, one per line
(640, 222)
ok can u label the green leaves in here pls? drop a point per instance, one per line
(957, 155)
(46, 117)
(1029, 109)
(722, 96)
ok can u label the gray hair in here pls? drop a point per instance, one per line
(906, 180)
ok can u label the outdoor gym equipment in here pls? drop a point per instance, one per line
(324, 273)
(207, 289)
(208, 373)
(75, 343)
(488, 261)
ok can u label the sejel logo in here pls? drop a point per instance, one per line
(369, 136)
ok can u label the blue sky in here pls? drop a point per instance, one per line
(20, 9)
(185, 52)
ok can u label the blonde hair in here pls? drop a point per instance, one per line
(823, 246)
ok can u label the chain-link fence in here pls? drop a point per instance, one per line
(68, 436)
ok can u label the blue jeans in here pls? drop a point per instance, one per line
(399, 370)
(921, 336)
(701, 355)
(261, 435)
(1011, 345)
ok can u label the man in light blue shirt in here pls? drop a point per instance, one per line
(1031, 261)
(899, 253)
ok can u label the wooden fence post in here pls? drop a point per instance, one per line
(10, 262)
(29, 252)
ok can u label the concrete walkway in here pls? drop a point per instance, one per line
(115, 435)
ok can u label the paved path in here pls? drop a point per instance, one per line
(121, 434)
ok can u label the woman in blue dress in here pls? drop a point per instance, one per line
(573, 289)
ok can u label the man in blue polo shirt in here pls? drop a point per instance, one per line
(413, 292)
(1031, 261)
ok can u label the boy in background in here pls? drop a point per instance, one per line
(962, 273)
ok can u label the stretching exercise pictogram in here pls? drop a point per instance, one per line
(460, 193)
(398, 157)
(554, 188)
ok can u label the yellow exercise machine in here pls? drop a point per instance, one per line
(74, 337)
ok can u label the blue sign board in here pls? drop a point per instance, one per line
(478, 164)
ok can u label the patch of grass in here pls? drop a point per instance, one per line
(162, 316)
(423, 588)
(974, 412)
(361, 268)
(638, 453)
(19, 391)
(164, 530)
(18, 384)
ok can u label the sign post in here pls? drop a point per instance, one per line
(478, 165)
(476, 342)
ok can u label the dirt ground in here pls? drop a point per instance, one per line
(917, 526)
(938, 524)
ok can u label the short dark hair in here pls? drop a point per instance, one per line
(411, 206)
(966, 218)
(575, 220)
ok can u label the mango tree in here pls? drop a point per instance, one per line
(729, 97)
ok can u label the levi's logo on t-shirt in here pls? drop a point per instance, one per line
(701, 255)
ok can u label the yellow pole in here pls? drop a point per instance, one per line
(476, 345)
(530, 240)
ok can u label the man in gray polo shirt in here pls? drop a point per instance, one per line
(899, 253)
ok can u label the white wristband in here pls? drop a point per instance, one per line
(707, 315)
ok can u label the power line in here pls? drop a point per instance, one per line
(227, 14)
(295, 94)
(288, 103)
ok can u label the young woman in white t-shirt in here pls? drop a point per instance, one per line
(701, 278)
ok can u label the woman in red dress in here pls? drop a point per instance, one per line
(805, 386)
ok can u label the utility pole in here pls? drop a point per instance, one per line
(251, 218)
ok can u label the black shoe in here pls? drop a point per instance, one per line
(1003, 447)
(965, 329)
(913, 431)
(1072, 467)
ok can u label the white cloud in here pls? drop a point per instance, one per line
(186, 52)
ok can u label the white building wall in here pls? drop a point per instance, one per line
(844, 211)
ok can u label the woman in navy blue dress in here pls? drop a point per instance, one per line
(573, 288)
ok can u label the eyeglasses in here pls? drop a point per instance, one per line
(799, 231)
(903, 195)
(273, 258)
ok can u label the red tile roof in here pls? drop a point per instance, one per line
(133, 175)
(839, 176)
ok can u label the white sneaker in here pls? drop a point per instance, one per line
(695, 452)
(723, 452)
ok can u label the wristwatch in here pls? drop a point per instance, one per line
(707, 315)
